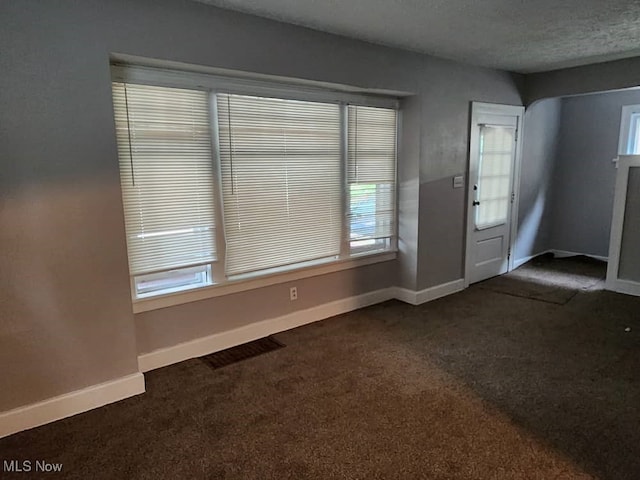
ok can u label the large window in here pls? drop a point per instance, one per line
(219, 186)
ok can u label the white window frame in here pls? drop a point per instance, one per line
(242, 86)
(203, 270)
(221, 84)
(627, 120)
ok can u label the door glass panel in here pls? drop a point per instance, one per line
(494, 176)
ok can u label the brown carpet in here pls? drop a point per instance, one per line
(549, 279)
(477, 385)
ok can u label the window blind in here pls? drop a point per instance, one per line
(164, 148)
(371, 171)
(281, 181)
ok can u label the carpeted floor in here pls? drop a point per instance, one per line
(549, 279)
(477, 385)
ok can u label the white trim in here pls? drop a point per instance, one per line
(220, 341)
(567, 253)
(521, 261)
(617, 222)
(428, 294)
(237, 83)
(69, 404)
(625, 286)
(153, 303)
(405, 295)
(63, 406)
(478, 109)
(517, 179)
(556, 253)
(613, 282)
(126, 60)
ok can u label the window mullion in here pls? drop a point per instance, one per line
(393, 244)
(344, 148)
(218, 267)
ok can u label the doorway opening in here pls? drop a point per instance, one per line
(574, 165)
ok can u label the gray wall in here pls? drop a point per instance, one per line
(594, 78)
(568, 178)
(65, 307)
(584, 178)
(181, 323)
(539, 152)
(446, 92)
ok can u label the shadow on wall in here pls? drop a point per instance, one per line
(530, 229)
(540, 148)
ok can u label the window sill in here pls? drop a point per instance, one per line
(202, 293)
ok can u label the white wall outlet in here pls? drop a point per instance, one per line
(458, 181)
(293, 293)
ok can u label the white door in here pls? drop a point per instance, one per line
(492, 199)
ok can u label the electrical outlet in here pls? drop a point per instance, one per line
(293, 293)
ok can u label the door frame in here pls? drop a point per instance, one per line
(613, 282)
(477, 109)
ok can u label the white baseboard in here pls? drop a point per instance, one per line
(521, 261)
(428, 294)
(566, 253)
(57, 408)
(220, 341)
(63, 406)
(627, 287)
(405, 295)
(558, 254)
(439, 291)
(231, 338)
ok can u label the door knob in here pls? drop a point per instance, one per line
(475, 203)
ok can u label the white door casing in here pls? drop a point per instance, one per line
(614, 280)
(492, 200)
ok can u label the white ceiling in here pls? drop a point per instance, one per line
(518, 35)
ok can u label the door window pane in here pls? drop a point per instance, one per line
(494, 176)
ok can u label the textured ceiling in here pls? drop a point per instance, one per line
(518, 35)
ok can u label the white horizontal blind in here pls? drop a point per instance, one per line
(371, 172)
(164, 147)
(497, 148)
(281, 181)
